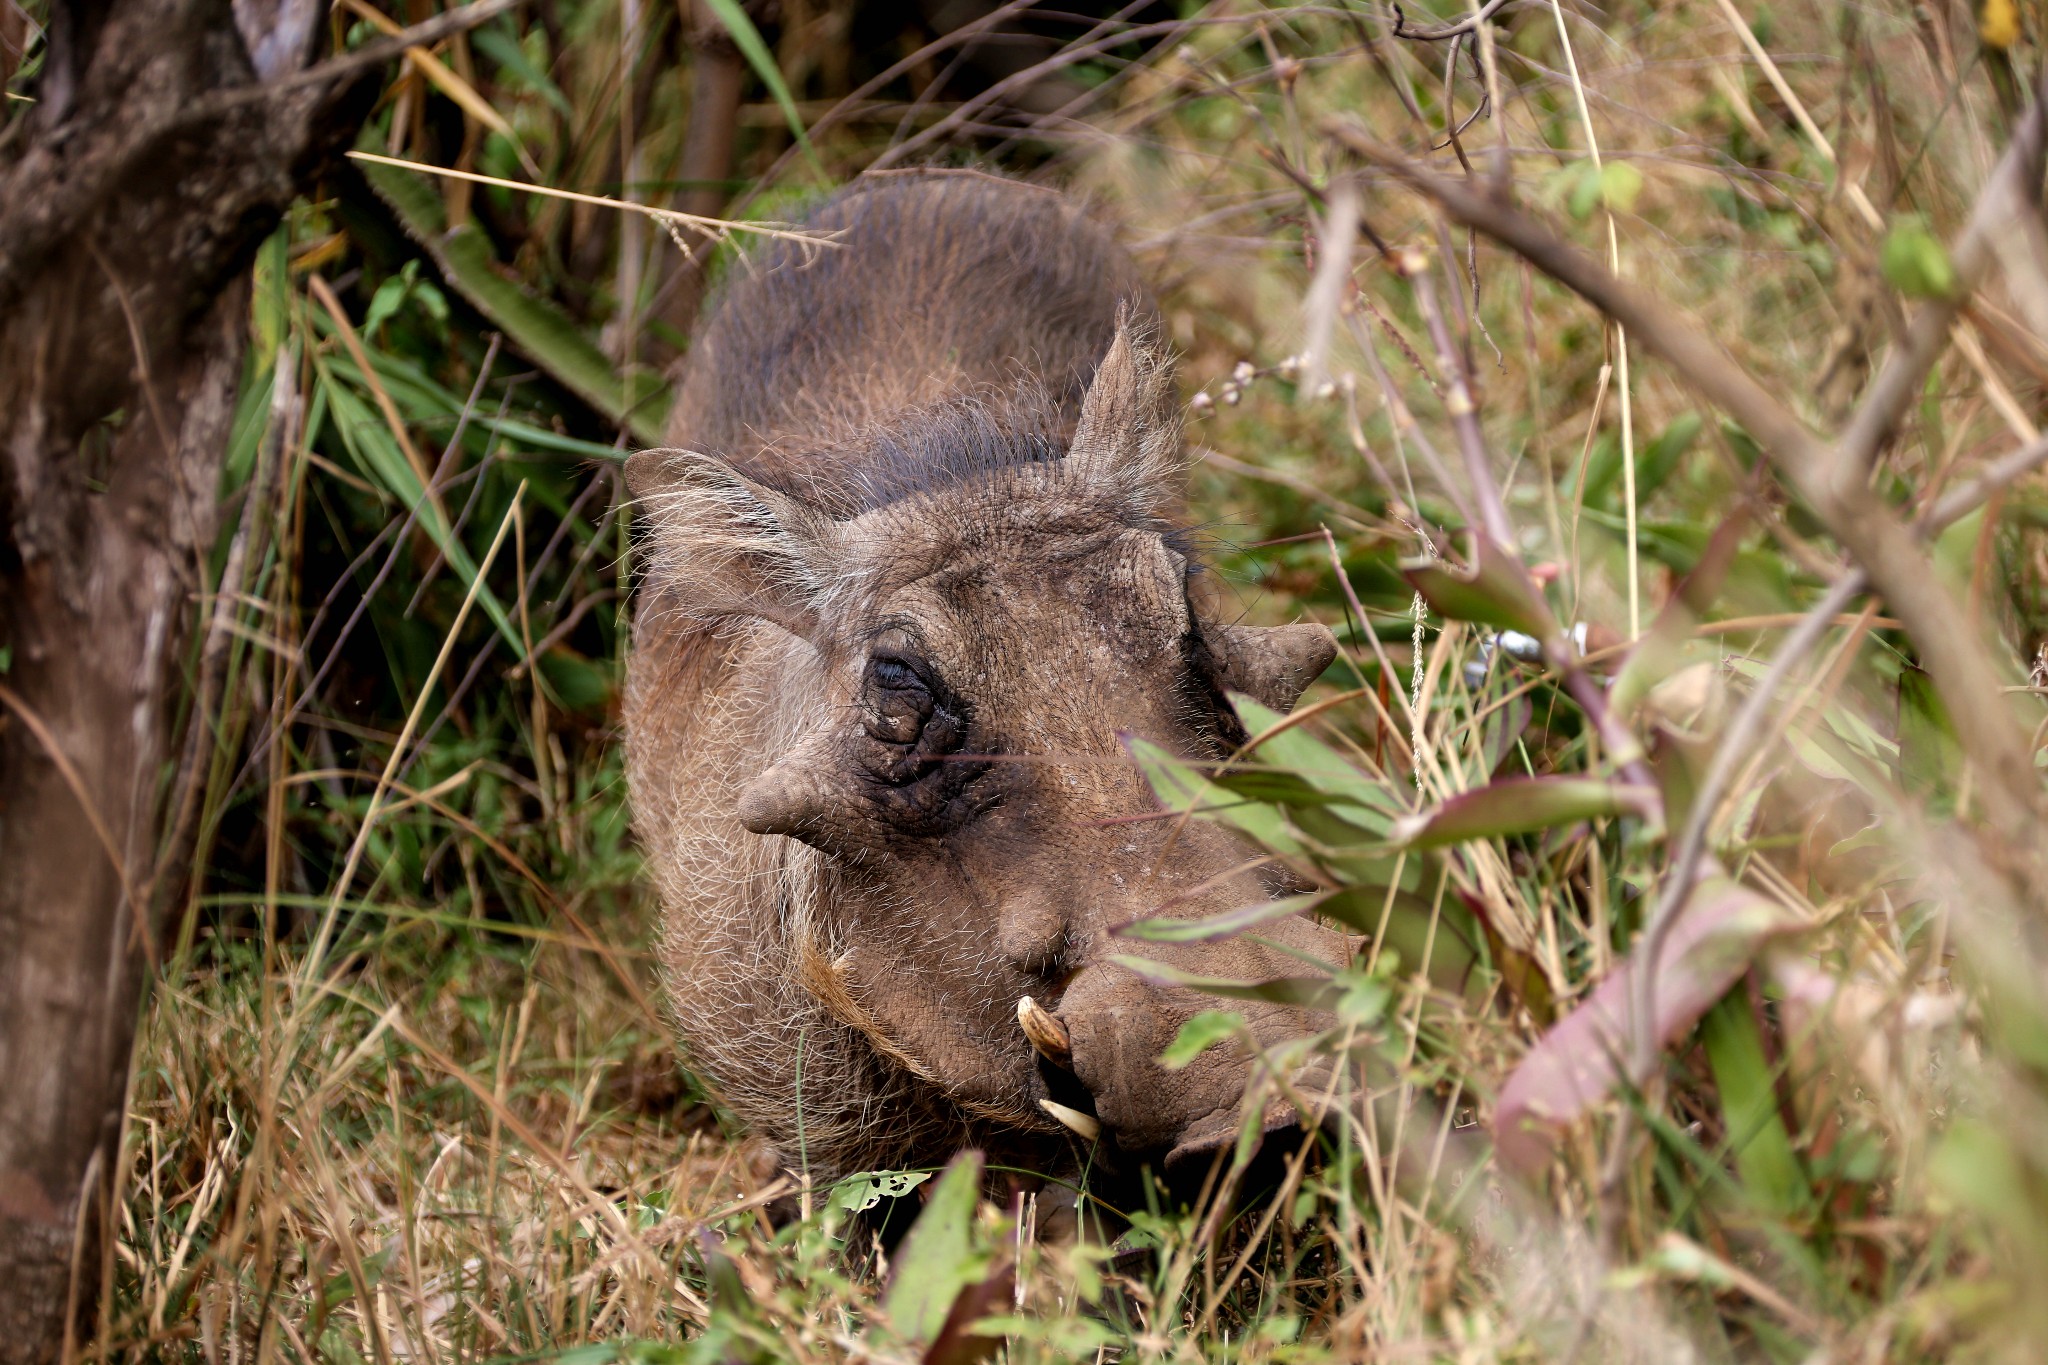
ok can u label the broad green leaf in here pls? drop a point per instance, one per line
(1978, 1166)
(1762, 1148)
(1930, 756)
(1184, 791)
(859, 1193)
(1363, 999)
(388, 299)
(1200, 1033)
(1655, 464)
(1620, 183)
(937, 1259)
(1584, 193)
(1914, 261)
(1297, 751)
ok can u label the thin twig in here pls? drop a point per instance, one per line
(1446, 31)
(1413, 265)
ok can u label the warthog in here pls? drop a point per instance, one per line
(912, 573)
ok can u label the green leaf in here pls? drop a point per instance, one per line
(578, 684)
(1200, 1033)
(1313, 991)
(1365, 998)
(1620, 183)
(1914, 261)
(501, 45)
(1584, 194)
(535, 325)
(1579, 1062)
(1930, 756)
(1655, 464)
(369, 442)
(1184, 791)
(389, 298)
(1316, 763)
(937, 1258)
(1978, 1167)
(1764, 1158)
(747, 39)
(1517, 805)
(859, 1193)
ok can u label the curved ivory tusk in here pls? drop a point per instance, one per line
(1087, 1125)
(1046, 1033)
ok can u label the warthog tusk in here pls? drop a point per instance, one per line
(1046, 1033)
(1087, 1125)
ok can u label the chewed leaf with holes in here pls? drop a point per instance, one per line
(859, 1193)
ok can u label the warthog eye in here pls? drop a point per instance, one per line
(898, 701)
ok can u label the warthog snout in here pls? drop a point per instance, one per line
(1119, 1023)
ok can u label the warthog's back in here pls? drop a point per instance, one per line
(943, 285)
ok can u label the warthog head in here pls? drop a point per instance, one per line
(976, 647)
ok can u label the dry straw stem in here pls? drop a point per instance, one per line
(399, 747)
(710, 228)
(1621, 375)
(1946, 635)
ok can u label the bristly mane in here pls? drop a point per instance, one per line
(960, 440)
(951, 333)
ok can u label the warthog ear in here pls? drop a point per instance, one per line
(1127, 442)
(1271, 664)
(721, 545)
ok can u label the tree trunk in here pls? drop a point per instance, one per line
(167, 138)
(96, 620)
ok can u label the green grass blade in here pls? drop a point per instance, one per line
(747, 39)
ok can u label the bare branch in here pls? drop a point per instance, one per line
(1446, 31)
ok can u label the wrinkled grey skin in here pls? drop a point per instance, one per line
(911, 571)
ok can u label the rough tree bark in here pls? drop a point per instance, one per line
(167, 139)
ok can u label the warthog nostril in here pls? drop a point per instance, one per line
(1047, 1034)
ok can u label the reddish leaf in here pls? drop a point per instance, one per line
(1578, 1063)
(1495, 591)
